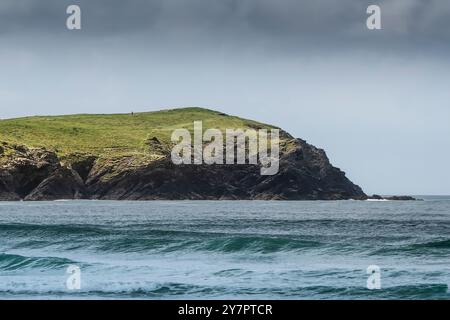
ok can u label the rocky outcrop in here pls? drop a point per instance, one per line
(305, 173)
(392, 198)
(63, 183)
(36, 174)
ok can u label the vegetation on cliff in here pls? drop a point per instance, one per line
(112, 135)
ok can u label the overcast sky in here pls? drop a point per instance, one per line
(377, 101)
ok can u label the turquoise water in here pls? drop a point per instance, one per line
(225, 249)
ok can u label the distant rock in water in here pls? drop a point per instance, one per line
(392, 198)
(123, 157)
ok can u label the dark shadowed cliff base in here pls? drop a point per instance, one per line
(305, 174)
(46, 173)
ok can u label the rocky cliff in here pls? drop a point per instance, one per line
(45, 173)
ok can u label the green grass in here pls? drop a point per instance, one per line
(109, 135)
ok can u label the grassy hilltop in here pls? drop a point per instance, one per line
(106, 135)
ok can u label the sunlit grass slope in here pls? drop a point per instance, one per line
(111, 134)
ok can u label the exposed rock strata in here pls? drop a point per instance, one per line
(305, 173)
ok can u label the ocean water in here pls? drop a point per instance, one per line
(225, 249)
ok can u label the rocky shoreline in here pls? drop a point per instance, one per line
(38, 174)
(35, 174)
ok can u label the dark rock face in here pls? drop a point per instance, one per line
(63, 183)
(83, 165)
(305, 173)
(7, 192)
(36, 174)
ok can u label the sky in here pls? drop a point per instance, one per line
(377, 101)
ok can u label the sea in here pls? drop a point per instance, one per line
(225, 249)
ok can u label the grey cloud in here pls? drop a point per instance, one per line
(414, 19)
(98, 16)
